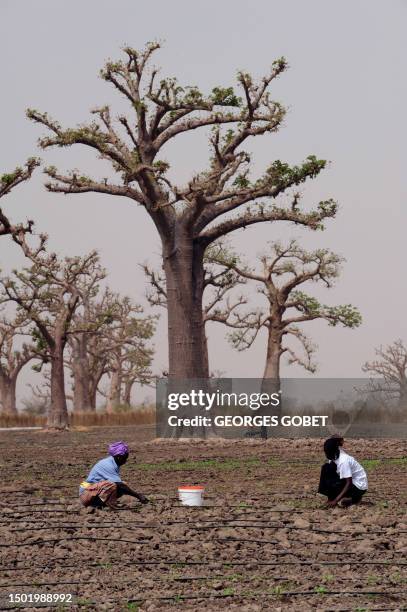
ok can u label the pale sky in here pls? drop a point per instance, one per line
(346, 91)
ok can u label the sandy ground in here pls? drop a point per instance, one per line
(262, 541)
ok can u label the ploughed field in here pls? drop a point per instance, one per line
(262, 541)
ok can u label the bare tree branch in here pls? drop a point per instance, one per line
(7, 183)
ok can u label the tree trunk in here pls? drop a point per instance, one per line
(186, 334)
(113, 398)
(206, 352)
(81, 398)
(58, 412)
(127, 392)
(8, 394)
(271, 378)
(272, 367)
(93, 392)
(403, 394)
(94, 381)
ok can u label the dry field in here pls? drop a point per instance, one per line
(263, 540)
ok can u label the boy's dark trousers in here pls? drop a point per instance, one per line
(331, 485)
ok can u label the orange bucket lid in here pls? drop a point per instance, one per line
(192, 488)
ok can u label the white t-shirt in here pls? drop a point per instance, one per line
(348, 467)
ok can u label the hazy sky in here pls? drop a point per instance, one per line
(347, 94)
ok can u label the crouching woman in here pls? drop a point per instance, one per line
(343, 479)
(103, 486)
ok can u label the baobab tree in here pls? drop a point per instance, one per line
(220, 200)
(15, 353)
(391, 366)
(48, 292)
(129, 356)
(136, 369)
(107, 338)
(8, 182)
(283, 270)
(88, 354)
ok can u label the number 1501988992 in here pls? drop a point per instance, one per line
(40, 598)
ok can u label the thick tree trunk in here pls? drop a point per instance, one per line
(113, 398)
(186, 334)
(58, 412)
(272, 367)
(8, 394)
(271, 378)
(81, 398)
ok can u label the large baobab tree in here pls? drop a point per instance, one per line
(222, 199)
(8, 182)
(391, 366)
(283, 270)
(48, 292)
(15, 353)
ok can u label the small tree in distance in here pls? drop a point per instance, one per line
(13, 357)
(213, 203)
(391, 366)
(283, 270)
(129, 357)
(88, 349)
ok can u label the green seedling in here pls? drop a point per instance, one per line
(105, 566)
(328, 577)
(397, 577)
(372, 579)
(277, 590)
(243, 505)
(84, 602)
(234, 577)
(228, 591)
(321, 590)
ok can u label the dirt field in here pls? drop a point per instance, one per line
(262, 541)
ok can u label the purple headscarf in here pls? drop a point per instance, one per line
(118, 448)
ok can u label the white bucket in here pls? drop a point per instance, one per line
(191, 496)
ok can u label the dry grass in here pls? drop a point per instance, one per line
(139, 416)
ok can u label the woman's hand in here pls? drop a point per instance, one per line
(143, 499)
(332, 503)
